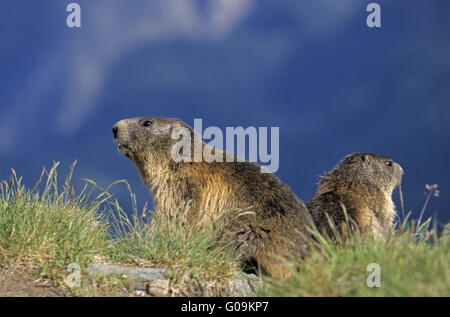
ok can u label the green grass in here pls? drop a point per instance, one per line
(413, 261)
(52, 225)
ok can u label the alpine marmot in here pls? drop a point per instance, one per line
(278, 225)
(359, 191)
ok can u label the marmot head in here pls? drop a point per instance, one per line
(146, 141)
(366, 168)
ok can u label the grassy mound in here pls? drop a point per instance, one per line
(48, 225)
(52, 226)
(412, 261)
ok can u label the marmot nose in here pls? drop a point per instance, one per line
(115, 129)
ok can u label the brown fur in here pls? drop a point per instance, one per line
(278, 225)
(360, 185)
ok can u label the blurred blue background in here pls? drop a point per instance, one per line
(312, 68)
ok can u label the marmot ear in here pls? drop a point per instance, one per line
(366, 158)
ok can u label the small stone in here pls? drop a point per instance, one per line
(158, 288)
(245, 285)
(140, 293)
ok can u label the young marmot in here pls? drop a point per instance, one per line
(278, 225)
(360, 185)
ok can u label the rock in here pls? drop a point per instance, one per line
(135, 273)
(155, 282)
(158, 288)
(140, 293)
(245, 285)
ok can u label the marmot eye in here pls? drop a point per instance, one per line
(388, 163)
(147, 123)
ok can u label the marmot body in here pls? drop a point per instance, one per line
(279, 224)
(361, 185)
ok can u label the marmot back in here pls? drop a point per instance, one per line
(361, 185)
(279, 224)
